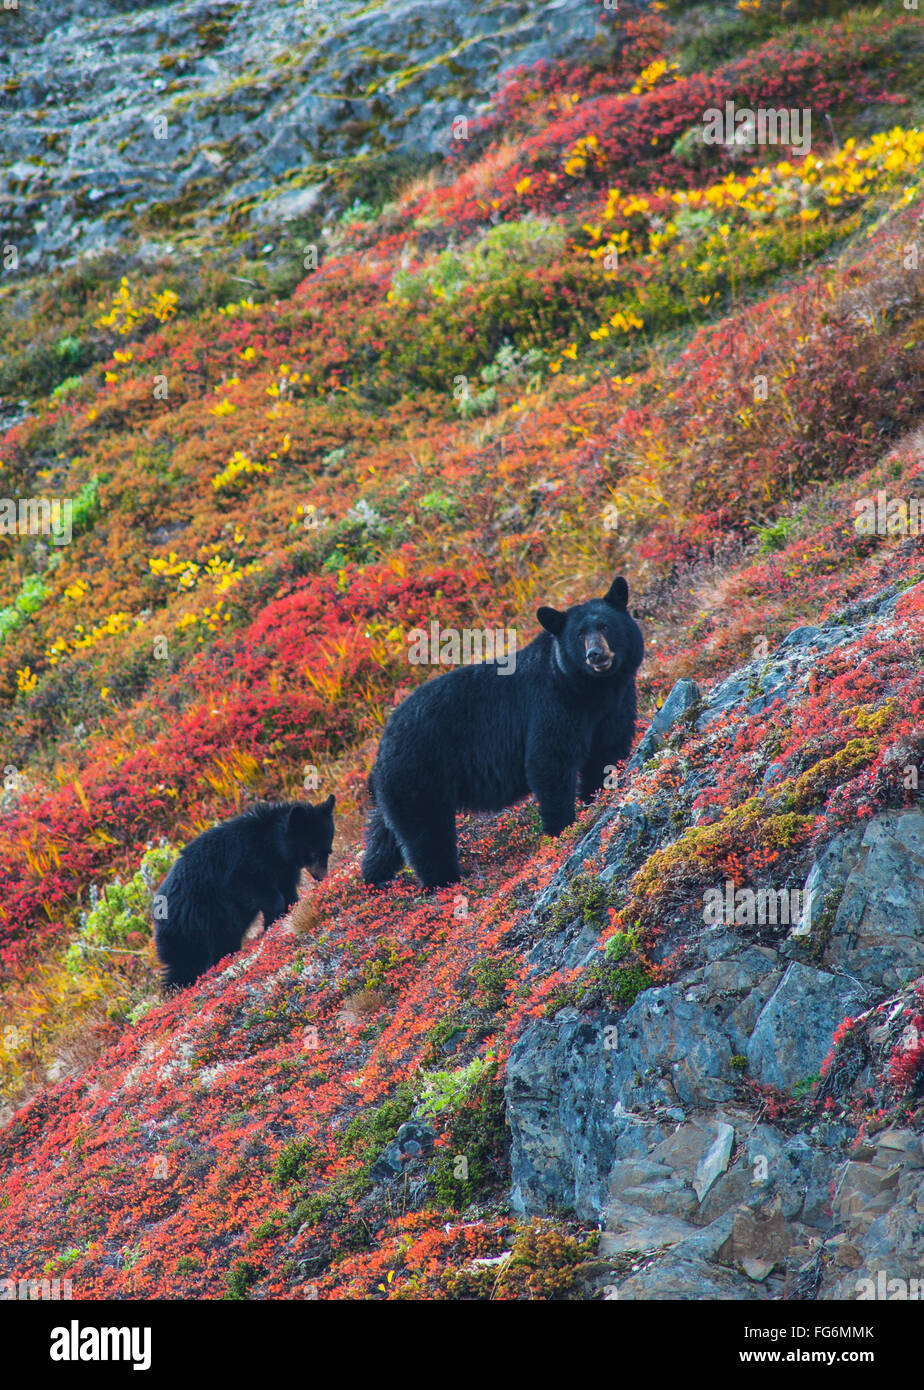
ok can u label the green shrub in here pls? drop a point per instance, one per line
(31, 596)
(295, 1162)
(477, 1134)
(121, 912)
(531, 242)
(442, 1090)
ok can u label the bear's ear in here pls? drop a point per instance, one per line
(617, 595)
(327, 806)
(551, 620)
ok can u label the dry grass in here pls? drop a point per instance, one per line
(306, 916)
(361, 1004)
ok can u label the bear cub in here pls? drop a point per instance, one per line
(480, 740)
(228, 874)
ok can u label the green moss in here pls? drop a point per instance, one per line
(296, 1162)
(823, 925)
(270, 1227)
(241, 1277)
(119, 918)
(213, 32)
(32, 594)
(546, 1263)
(367, 1135)
(811, 788)
(624, 983)
(437, 1038)
(491, 978)
(586, 900)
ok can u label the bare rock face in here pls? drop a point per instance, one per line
(780, 1054)
(867, 902)
(650, 1123)
(569, 1081)
(111, 109)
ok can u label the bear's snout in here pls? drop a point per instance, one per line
(317, 871)
(597, 652)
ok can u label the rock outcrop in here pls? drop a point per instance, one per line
(113, 111)
(640, 1121)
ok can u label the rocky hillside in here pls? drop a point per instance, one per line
(417, 313)
(125, 121)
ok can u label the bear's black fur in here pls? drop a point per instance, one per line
(480, 740)
(225, 876)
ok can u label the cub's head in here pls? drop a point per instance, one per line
(309, 835)
(599, 639)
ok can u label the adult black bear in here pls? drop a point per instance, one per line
(225, 876)
(480, 740)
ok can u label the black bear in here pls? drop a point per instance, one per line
(225, 876)
(480, 740)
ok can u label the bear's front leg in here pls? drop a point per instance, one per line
(553, 788)
(273, 906)
(611, 744)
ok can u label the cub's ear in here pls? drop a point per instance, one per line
(327, 806)
(617, 595)
(551, 620)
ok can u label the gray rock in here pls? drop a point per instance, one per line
(878, 931)
(714, 1161)
(285, 86)
(283, 207)
(793, 1034)
(566, 1091)
(824, 885)
(414, 1140)
(683, 698)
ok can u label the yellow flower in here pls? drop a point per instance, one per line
(239, 466)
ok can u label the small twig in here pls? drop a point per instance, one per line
(112, 950)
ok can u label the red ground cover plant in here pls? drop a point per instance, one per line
(308, 492)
